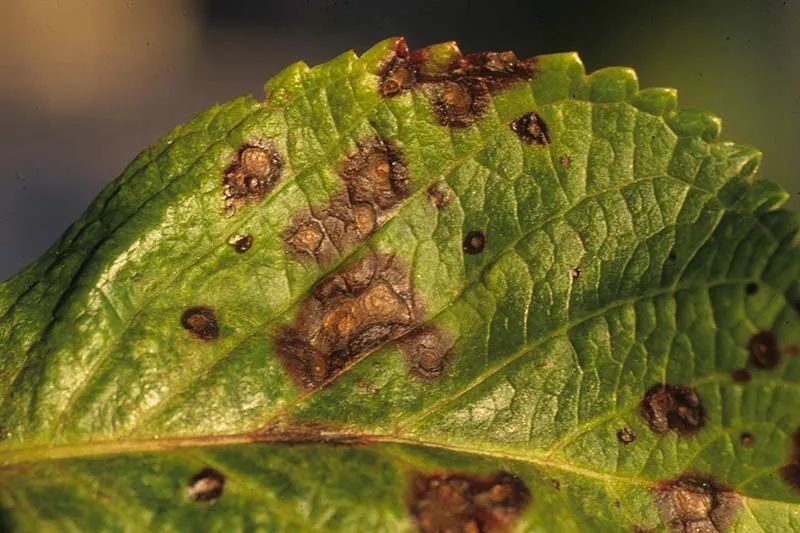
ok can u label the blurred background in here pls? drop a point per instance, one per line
(84, 85)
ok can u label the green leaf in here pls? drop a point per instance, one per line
(415, 291)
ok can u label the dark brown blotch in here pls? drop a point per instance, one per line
(626, 435)
(255, 172)
(741, 376)
(440, 195)
(575, 273)
(673, 408)
(474, 242)
(364, 305)
(531, 128)
(696, 504)
(207, 485)
(241, 243)
(376, 181)
(747, 440)
(427, 350)
(751, 288)
(201, 322)
(791, 470)
(764, 352)
(463, 503)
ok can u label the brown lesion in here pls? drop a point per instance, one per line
(205, 486)
(201, 322)
(253, 174)
(695, 503)
(427, 350)
(364, 305)
(458, 86)
(791, 470)
(675, 408)
(531, 128)
(455, 502)
(764, 352)
(375, 181)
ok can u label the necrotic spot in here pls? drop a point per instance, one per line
(741, 376)
(751, 288)
(764, 351)
(474, 242)
(791, 470)
(461, 503)
(241, 243)
(427, 349)
(460, 102)
(531, 128)
(398, 76)
(747, 440)
(376, 181)
(206, 485)
(673, 408)
(440, 195)
(201, 322)
(254, 173)
(626, 435)
(362, 306)
(695, 504)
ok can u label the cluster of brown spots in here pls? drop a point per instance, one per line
(764, 351)
(241, 243)
(751, 288)
(376, 180)
(747, 439)
(254, 173)
(531, 128)
(426, 349)
(695, 504)
(469, 504)
(459, 90)
(206, 485)
(626, 435)
(673, 408)
(791, 470)
(474, 242)
(201, 322)
(741, 376)
(362, 306)
(440, 195)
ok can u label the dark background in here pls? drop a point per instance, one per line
(84, 85)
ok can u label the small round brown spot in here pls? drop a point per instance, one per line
(531, 128)
(626, 435)
(751, 288)
(459, 503)
(201, 322)
(747, 440)
(673, 408)
(575, 273)
(474, 242)
(308, 237)
(741, 376)
(565, 161)
(556, 484)
(672, 256)
(207, 485)
(764, 351)
(241, 243)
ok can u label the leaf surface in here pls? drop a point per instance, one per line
(415, 291)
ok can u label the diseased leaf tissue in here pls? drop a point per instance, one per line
(415, 291)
